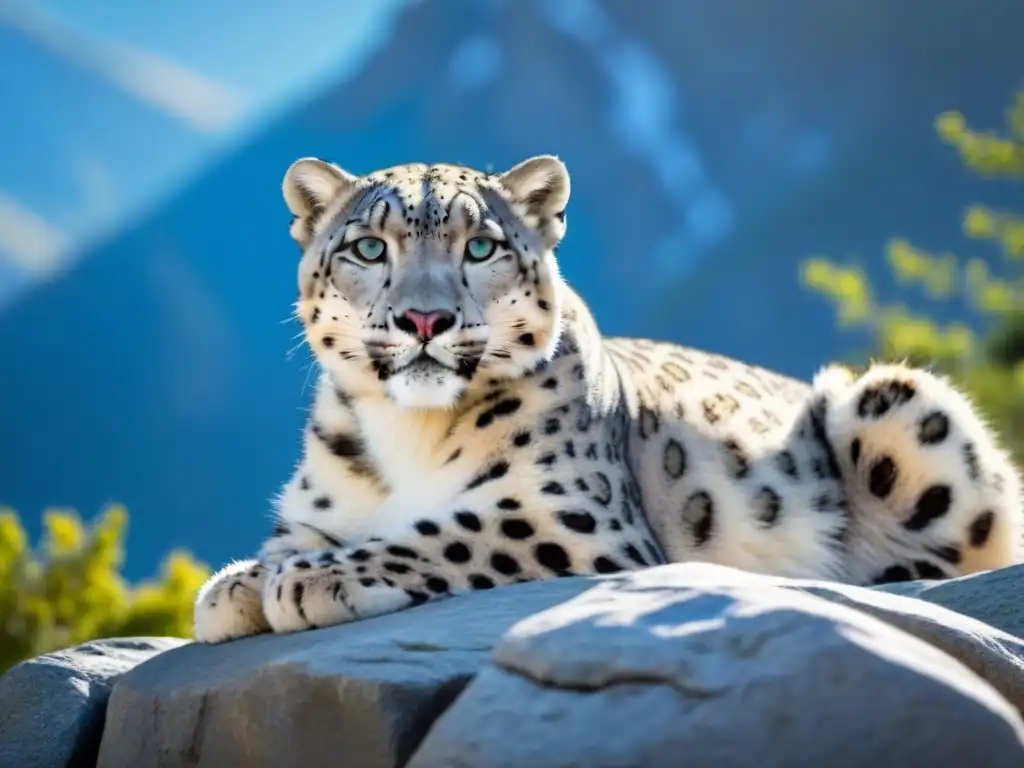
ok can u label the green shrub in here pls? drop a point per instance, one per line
(69, 589)
(989, 369)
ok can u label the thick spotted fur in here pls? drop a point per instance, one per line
(471, 428)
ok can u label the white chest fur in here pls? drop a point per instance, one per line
(410, 476)
(410, 451)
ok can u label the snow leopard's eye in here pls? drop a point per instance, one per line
(480, 248)
(369, 249)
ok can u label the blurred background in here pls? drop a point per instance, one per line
(789, 183)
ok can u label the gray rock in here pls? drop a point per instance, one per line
(708, 666)
(804, 669)
(995, 655)
(361, 695)
(52, 707)
(993, 597)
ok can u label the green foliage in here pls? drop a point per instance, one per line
(69, 589)
(991, 370)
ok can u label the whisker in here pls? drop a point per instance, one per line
(309, 370)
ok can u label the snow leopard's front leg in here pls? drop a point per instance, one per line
(507, 527)
(324, 587)
(229, 605)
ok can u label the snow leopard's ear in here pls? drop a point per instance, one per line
(309, 186)
(541, 186)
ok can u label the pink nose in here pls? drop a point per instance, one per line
(426, 325)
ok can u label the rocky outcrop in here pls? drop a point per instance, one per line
(730, 669)
(717, 665)
(359, 695)
(52, 708)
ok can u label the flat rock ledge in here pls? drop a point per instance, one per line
(681, 664)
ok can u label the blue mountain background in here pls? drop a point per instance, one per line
(712, 146)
